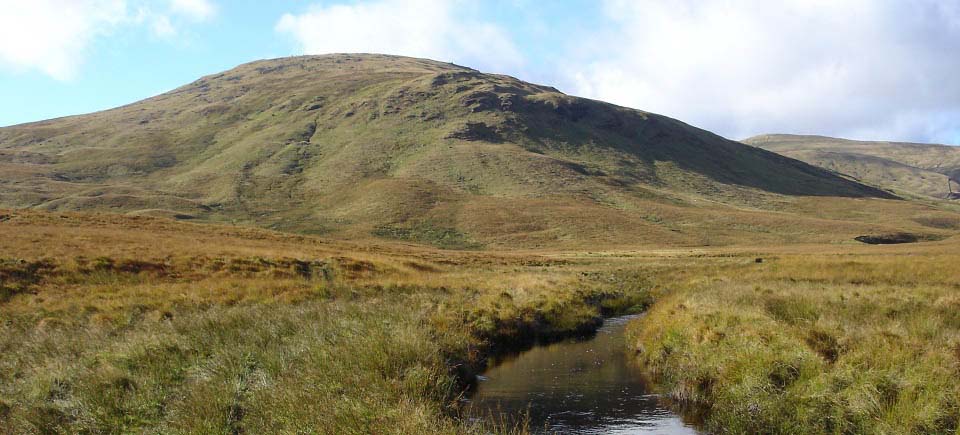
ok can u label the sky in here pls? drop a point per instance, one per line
(862, 69)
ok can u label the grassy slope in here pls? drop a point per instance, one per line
(906, 168)
(367, 145)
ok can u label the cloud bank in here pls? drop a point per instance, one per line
(861, 68)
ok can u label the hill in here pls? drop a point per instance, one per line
(907, 168)
(356, 146)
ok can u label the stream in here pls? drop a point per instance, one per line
(586, 386)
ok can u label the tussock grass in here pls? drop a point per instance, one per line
(136, 324)
(275, 336)
(259, 355)
(318, 367)
(812, 344)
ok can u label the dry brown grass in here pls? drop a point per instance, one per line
(813, 339)
(138, 323)
(116, 323)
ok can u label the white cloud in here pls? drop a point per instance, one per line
(198, 10)
(163, 28)
(861, 68)
(53, 36)
(436, 29)
(166, 23)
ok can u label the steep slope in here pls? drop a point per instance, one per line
(909, 168)
(403, 148)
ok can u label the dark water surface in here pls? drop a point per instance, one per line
(584, 387)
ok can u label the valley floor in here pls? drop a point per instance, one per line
(113, 324)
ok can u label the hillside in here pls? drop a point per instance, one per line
(372, 145)
(907, 168)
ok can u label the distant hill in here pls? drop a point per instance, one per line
(417, 150)
(908, 168)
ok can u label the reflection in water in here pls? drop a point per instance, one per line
(586, 386)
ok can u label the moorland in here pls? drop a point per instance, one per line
(129, 324)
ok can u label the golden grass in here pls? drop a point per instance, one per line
(838, 342)
(130, 324)
(133, 324)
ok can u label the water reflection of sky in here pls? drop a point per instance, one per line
(576, 387)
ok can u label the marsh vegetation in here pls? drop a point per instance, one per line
(190, 328)
(812, 343)
(196, 340)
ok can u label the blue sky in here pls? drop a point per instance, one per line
(870, 69)
(133, 62)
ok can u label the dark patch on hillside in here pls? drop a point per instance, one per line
(893, 239)
(476, 131)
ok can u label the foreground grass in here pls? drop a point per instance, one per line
(112, 324)
(270, 345)
(811, 343)
(314, 367)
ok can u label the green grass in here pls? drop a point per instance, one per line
(316, 367)
(119, 324)
(269, 345)
(812, 345)
(909, 169)
(424, 232)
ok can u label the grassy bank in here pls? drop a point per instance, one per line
(863, 343)
(295, 339)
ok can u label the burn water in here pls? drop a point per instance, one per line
(582, 386)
